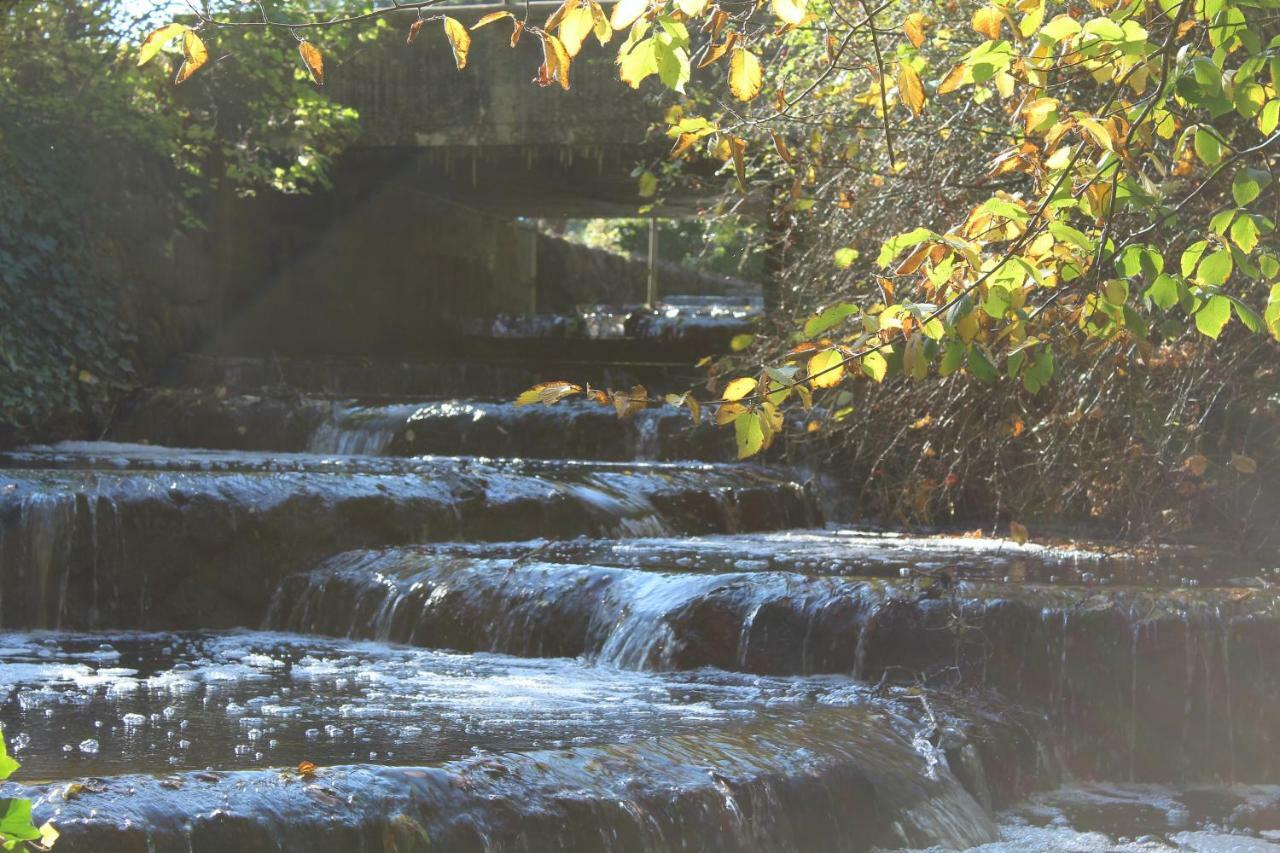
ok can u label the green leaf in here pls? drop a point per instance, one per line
(1191, 256)
(845, 257)
(740, 342)
(15, 820)
(952, 358)
(648, 184)
(1247, 315)
(1214, 315)
(894, 246)
(829, 318)
(1244, 233)
(1271, 316)
(1208, 146)
(7, 764)
(1215, 269)
(980, 366)
(1269, 117)
(1248, 184)
(1163, 292)
(748, 429)
(875, 365)
(673, 62)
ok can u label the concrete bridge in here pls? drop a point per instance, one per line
(492, 137)
(427, 220)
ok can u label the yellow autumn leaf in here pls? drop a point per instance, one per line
(196, 55)
(692, 8)
(152, 44)
(790, 11)
(575, 28)
(914, 26)
(987, 21)
(600, 23)
(547, 393)
(745, 75)
(910, 89)
(729, 412)
(1094, 130)
(459, 40)
(739, 388)
(637, 63)
(560, 14)
(826, 369)
(313, 59)
(490, 18)
(625, 13)
(1038, 113)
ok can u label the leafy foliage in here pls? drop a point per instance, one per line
(1109, 126)
(103, 173)
(17, 832)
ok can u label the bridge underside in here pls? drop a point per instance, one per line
(542, 181)
(426, 223)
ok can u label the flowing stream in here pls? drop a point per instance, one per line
(332, 606)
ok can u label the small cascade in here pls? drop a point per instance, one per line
(572, 429)
(1045, 647)
(239, 522)
(361, 430)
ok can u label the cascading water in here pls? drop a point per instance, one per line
(508, 628)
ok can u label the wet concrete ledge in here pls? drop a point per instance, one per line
(1142, 684)
(120, 536)
(842, 780)
(572, 429)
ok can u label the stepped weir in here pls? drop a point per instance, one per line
(330, 605)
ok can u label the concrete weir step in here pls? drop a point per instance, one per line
(1124, 671)
(370, 378)
(283, 421)
(102, 535)
(420, 750)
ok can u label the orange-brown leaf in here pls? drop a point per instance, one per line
(313, 59)
(987, 21)
(780, 145)
(557, 60)
(914, 26)
(738, 150)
